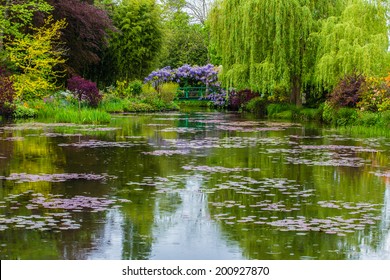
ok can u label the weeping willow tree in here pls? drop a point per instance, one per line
(356, 41)
(276, 45)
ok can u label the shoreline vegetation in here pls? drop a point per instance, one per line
(312, 71)
(60, 109)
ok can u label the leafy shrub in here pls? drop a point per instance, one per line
(279, 95)
(346, 93)
(135, 87)
(274, 109)
(240, 98)
(256, 105)
(7, 93)
(375, 95)
(139, 107)
(385, 119)
(149, 93)
(24, 112)
(346, 116)
(124, 89)
(168, 91)
(85, 90)
(329, 112)
(309, 114)
(369, 119)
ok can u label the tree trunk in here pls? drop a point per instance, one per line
(295, 96)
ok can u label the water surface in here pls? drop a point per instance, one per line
(192, 186)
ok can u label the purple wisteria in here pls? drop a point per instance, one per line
(185, 75)
(191, 76)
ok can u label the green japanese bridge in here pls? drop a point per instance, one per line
(191, 93)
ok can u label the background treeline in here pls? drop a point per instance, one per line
(330, 55)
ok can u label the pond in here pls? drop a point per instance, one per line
(200, 185)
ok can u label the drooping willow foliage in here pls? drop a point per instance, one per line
(357, 41)
(291, 45)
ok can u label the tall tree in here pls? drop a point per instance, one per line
(199, 10)
(36, 57)
(274, 45)
(184, 42)
(134, 50)
(86, 34)
(355, 41)
(16, 16)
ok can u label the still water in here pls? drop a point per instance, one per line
(192, 186)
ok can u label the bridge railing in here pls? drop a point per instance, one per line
(191, 92)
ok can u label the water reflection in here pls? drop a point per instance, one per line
(199, 186)
(189, 232)
(382, 248)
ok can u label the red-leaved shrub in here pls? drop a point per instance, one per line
(7, 93)
(239, 98)
(346, 93)
(85, 90)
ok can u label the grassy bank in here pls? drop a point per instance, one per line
(61, 110)
(344, 120)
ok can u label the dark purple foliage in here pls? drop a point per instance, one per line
(346, 93)
(7, 93)
(239, 98)
(85, 90)
(86, 32)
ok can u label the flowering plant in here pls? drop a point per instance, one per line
(191, 76)
(185, 75)
(375, 95)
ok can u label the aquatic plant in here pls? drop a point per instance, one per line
(51, 212)
(24, 177)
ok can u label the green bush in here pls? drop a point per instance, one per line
(309, 114)
(346, 116)
(168, 91)
(256, 105)
(329, 112)
(369, 119)
(22, 112)
(276, 108)
(135, 87)
(385, 118)
(140, 107)
(149, 93)
(113, 104)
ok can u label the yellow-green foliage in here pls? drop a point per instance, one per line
(289, 46)
(355, 41)
(168, 91)
(149, 92)
(36, 56)
(262, 43)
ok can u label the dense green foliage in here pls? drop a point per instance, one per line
(298, 48)
(133, 50)
(184, 43)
